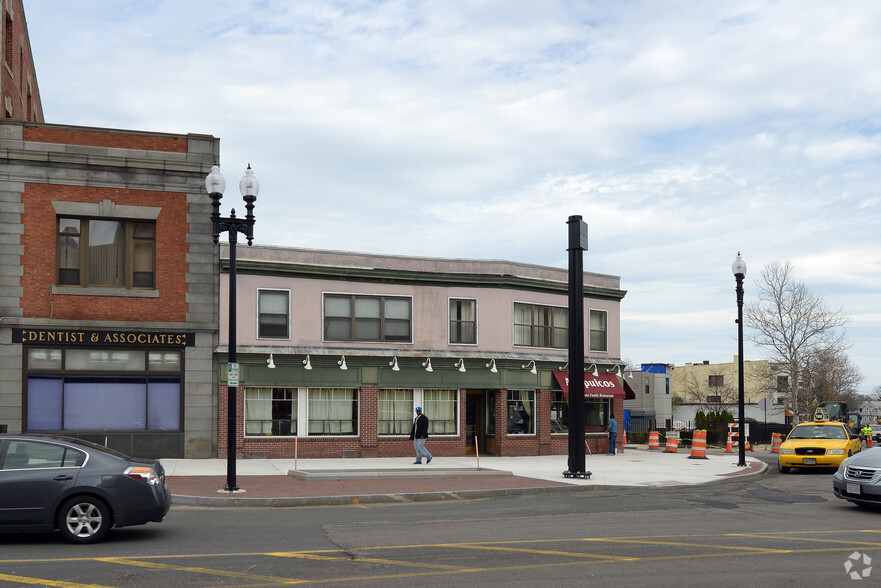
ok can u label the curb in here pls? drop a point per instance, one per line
(415, 497)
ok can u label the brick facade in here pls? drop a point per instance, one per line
(104, 173)
(39, 243)
(368, 444)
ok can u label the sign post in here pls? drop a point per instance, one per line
(577, 246)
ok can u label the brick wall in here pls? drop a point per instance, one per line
(105, 138)
(39, 244)
(369, 444)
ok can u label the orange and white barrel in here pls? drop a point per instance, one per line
(653, 440)
(698, 445)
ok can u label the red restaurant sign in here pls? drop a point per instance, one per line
(595, 386)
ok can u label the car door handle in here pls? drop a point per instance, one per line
(62, 478)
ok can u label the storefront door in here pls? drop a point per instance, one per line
(479, 422)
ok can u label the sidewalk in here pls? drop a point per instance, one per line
(305, 482)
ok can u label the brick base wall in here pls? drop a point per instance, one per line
(369, 444)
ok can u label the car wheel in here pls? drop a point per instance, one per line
(782, 469)
(84, 519)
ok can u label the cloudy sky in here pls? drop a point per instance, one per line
(682, 131)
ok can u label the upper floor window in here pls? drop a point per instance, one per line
(599, 330)
(463, 321)
(272, 314)
(349, 317)
(106, 252)
(782, 383)
(541, 326)
(717, 380)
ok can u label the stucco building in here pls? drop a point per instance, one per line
(716, 384)
(336, 349)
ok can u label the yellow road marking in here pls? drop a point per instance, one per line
(209, 571)
(44, 582)
(393, 562)
(537, 551)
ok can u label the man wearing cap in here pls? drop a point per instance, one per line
(419, 435)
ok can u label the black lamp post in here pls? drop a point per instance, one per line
(249, 186)
(739, 269)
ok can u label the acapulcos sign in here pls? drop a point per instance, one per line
(595, 386)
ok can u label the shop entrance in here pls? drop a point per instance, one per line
(480, 430)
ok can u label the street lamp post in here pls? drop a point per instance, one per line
(249, 186)
(739, 269)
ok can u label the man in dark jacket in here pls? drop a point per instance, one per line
(419, 434)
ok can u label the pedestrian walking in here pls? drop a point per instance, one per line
(419, 435)
(612, 428)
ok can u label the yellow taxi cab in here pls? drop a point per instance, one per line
(819, 444)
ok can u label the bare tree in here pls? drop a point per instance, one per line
(793, 324)
(829, 375)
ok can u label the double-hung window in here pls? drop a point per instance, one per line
(106, 252)
(538, 325)
(351, 317)
(598, 330)
(273, 312)
(463, 321)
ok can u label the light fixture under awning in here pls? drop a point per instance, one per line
(599, 386)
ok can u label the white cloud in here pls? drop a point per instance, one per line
(682, 132)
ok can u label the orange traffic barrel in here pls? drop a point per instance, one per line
(672, 443)
(698, 445)
(776, 442)
(653, 440)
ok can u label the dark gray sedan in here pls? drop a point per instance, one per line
(858, 479)
(82, 489)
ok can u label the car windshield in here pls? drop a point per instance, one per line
(818, 432)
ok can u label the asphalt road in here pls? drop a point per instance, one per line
(771, 530)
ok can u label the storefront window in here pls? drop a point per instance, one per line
(271, 411)
(120, 394)
(333, 411)
(559, 413)
(596, 413)
(521, 411)
(442, 409)
(395, 412)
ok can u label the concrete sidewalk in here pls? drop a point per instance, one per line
(289, 482)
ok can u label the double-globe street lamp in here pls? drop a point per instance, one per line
(739, 269)
(249, 187)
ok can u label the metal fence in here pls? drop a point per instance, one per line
(638, 429)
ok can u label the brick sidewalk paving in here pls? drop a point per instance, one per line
(290, 487)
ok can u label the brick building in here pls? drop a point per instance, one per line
(18, 80)
(108, 287)
(335, 351)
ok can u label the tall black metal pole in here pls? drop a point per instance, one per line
(249, 187)
(741, 446)
(577, 245)
(232, 391)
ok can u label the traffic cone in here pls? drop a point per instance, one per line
(728, 444)
(625, 436)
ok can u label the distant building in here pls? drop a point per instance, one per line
(18, 80)
(716, 384)
(652, 405)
